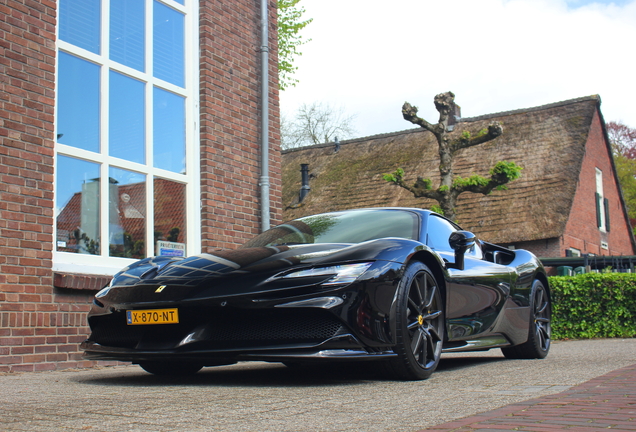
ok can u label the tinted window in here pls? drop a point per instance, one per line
(438, 231)
(344, 227)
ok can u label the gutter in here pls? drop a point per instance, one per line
(264, 178)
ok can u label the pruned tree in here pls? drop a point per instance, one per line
(316, 123)
(290, 24)
(451, 186)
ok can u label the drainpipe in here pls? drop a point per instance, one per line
(304, 181)
(264, 179)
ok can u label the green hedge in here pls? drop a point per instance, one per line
(593, 305)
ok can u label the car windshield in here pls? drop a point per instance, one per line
(341, 227)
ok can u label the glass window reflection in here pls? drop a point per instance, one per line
(77, 206)
(169, 131)
(78, 103)
(127, 33)
(439, 230)
(126, 214)
(80, 23)
(168, 44)
(170, 216)
(126, 130)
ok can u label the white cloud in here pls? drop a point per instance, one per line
(496, 55)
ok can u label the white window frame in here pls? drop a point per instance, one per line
(600, 204)
(103, 264)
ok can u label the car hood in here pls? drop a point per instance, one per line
(262, 260)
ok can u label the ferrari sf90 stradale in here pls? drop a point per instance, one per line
(393, 285)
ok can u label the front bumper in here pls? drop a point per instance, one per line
(342, 347)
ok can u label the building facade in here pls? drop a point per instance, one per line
(128, 128)
(567, 202)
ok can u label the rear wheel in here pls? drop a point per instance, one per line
(419, 324)
(171, 368)
(539, 333)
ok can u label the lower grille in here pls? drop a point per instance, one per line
(219, 329)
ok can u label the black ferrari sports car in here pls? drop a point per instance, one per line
(395, 285)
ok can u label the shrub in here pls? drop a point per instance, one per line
(593, 305)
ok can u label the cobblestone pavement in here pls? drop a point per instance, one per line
(606, 402)
(271, 397)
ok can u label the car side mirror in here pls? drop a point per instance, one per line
(460, 241)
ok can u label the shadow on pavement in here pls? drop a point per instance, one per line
(274, 375)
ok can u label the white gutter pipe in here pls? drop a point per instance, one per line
(264, 179)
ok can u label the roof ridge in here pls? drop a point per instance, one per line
(354, 140)
(595, 97)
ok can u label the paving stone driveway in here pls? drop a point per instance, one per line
(271, 397)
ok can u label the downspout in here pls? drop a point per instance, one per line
(264, 179)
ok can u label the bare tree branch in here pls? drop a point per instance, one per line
(316, 123)
(494, 130)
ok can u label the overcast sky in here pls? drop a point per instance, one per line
(370, 56)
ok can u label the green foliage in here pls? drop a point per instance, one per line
(437, 209)
(510, 170)
(466, 135)
(626, 170)
(593, 305)
(473, 180)
(289, 40)
(395, 176)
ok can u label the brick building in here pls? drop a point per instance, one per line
(122, 123)
(567, 201)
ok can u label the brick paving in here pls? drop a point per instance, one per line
(605, 402)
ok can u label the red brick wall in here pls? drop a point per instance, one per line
(42, 315)
(230, 122)
(581, 231)
(40, 327)
(542, 248)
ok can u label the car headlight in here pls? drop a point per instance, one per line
(104, 291)
(342, 274)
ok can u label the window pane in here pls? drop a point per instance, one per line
(78, 103)
(168, 44)
(439, 230)
(77, 206)
(80, 23)
(126, 214)
(169, 131)
(126, 131)
(127, 33)
(170, 217)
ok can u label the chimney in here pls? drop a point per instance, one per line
(454, 117)
(304, 180)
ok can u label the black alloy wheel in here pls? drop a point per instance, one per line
(419, 324)
(539, 332)
(171, 368)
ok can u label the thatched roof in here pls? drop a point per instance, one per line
(547, 141)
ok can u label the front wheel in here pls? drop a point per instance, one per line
(419, 324)
(171, 368)
(539, 333)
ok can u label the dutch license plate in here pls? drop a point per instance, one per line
(152, 316)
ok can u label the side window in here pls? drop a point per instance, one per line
(438, 231)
